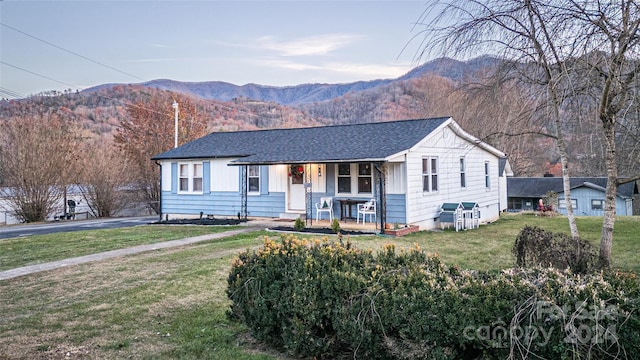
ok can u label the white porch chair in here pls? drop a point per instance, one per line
(368, 208)
(325, 205)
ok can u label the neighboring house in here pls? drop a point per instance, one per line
(8, 216)
(409, 167)
(587, 194)
(74, 196)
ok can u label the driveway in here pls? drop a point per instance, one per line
(12, 231)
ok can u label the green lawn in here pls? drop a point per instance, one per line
(30, 250)
(489, 247)
(171, 303)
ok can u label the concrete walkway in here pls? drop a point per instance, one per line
(26, 270)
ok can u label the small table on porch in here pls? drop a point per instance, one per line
(346, 206)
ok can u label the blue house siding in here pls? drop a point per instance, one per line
(584, 195)
(396, 209)
(271, 205)
(222, 204)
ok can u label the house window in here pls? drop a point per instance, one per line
(344, 178)
(190, 177)
(597, 204)
(487, 178)
(430, 174)
(562, 204)
(514, 204)
(253, 178)
(355, 178)
(463, 178)
(364, 178)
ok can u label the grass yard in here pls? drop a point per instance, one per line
(171, 303)
(489, 247)
(23, 251)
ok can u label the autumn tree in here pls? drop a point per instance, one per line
(566, 48)
(105, 177)
(150, 131)
(39, 159)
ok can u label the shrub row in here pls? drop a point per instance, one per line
(327, 300)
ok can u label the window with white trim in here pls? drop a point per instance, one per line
(253, 178)
(364, 178)
(463, 176)
(562, 204)
(597, 204)
(344, 178)
(487, 177)
(430, 174)
(190, 177)
(355, 179)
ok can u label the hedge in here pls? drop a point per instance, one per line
(325, 299)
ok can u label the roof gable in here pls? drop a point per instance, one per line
(357, 142)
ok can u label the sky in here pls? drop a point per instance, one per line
(58, 45)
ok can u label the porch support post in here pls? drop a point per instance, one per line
(382, 194)
(243, 192)
(308, 192)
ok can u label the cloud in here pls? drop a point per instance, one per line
(306, 46)
(353, 70)
(152, 60)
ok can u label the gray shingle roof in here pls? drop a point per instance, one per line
(536, 187)
(370, 141)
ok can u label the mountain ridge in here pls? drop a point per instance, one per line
(310, 92)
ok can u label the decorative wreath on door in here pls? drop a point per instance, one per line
(296, 171)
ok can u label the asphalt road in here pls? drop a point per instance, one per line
(13, 231)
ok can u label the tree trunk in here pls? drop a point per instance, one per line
(562, 148)
(609, 219)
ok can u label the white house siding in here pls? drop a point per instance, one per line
(223, 177)
(166, 175)
(278, 178)
(502, 183)
(423, 208)
(396, 178)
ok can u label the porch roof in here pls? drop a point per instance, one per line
(323, 144)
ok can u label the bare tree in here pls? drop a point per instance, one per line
(150, 131)
(39, 157)
(568, 48)
(105, 178)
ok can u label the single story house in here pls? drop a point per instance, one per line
(587, 194)
(410, 167)
(73, 197)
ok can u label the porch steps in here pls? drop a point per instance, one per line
(291, 216)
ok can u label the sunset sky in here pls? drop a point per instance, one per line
(57, 45)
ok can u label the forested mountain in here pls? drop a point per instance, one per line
(443, 87)
(308, 93)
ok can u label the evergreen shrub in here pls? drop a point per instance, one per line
(537, 247)
(327, 300)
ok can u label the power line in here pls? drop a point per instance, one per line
(10, 93)
(93, 61)
(36, 74)
(71, 52)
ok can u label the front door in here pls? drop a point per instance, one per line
(296, 188)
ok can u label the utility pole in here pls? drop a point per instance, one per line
(175, 107)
